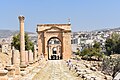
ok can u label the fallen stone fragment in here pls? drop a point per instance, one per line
(93, 69)
(107, 77)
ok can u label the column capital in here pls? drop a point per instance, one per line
(21, 18)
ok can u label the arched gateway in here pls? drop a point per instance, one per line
(54, 41)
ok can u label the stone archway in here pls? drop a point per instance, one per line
(62, 32)
(54, 48)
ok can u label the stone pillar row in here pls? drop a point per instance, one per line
(30, 57)
(20, 60)
(14, 69)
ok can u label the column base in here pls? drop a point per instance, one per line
(22, 67)
(11, 70)
(30, 63)
(3, 75)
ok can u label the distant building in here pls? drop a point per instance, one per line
(4, 46)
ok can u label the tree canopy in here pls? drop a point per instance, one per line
(88, 53)
(16, 42)
(112, 44)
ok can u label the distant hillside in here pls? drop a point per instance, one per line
(8, 33)
(109, 29)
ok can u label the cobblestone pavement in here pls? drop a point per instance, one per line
(34, 71)
(55, 70)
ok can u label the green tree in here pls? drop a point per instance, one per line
(111, 66)
(96, 45)
(96, 50)
(16, 42)
(109, 45)
(78, 51)
(112, 44)
(115, 36)
(84, 52)
(88, 53)
(117, 48)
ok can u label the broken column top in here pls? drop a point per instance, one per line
(21, 18)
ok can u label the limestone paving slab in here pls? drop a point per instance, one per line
(55, 70)
(33, 71)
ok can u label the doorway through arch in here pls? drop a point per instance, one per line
(54, 49)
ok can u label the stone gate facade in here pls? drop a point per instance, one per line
(54, 41)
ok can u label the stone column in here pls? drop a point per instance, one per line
(35, 53)
(22, 42)
(15, 62)
(30, 56)
(14, 57)
(66, 45)
(26, 57)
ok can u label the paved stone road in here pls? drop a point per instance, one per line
(33, 72)
(55, 70)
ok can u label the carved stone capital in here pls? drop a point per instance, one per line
(21, 18)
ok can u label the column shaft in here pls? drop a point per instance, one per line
(22, 41)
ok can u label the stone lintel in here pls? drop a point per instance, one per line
(53, 27)
(54, 31)
(53, 24)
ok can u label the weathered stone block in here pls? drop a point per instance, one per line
(26, 57)
(15, 57)
(93, 69)
(3, 75)
(17, 70)
(108, 77)
(11, 70)
(30, 56)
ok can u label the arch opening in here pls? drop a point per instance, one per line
(54, 49)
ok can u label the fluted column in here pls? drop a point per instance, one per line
(22, 41)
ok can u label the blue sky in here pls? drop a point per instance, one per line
(85, 15)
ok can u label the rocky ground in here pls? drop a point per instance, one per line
(89, 70)
(58, 70)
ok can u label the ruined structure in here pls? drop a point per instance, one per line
(54, 40)
(4, 46)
